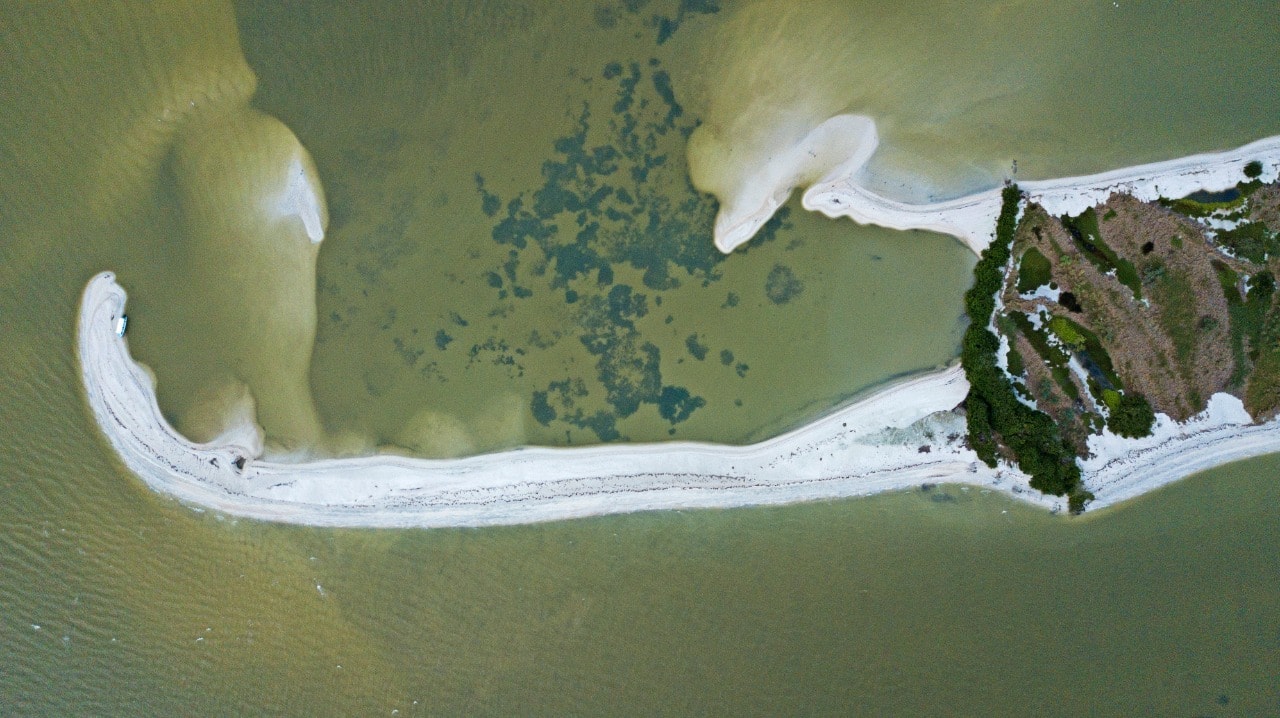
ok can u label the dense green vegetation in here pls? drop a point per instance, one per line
(1240, 316)
(1262, 395)
(1044, 446)
(1262, 289)
(1251, 241)
(1055, 356)
(995, 416)
(1092, 350)
(1249, 319)
(1179, 315)
(1016, 366)
(1068, 332)
(1203, 204)
(1131, 416)
(1034, 271)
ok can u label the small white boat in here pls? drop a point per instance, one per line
(122, 322)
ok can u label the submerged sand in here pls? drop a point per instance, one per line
(900, 437)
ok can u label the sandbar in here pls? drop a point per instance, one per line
(971, 218)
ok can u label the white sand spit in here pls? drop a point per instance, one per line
(842, 454)
(836, 148)
(871, 446)
(1124, 468)
(972, 218)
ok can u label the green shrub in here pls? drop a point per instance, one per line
(1230, 281)
(1247, 314)
(1262, 394)
(1034, 271)
(1253, 170)
(1055, 355)
(1111, 398)
(1133, 418)
(1248, 188)
(1016, 366)
(995, 416)
(1078, 499)
(1065, 329)
(1178, 316)
(1252, 314)
(1249, 240)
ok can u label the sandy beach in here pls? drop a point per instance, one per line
(903, 436)
(871, 446)
(846, 453)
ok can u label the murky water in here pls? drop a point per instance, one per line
(119, 602)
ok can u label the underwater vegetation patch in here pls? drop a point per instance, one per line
(781, 286)
(615, 194)
(608, 15)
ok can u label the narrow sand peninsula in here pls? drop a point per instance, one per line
(871, 446)
(972, 219)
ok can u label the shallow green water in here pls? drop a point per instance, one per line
(516, 255)
(961, 90)
(914, 603)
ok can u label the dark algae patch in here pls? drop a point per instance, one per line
(597, 207)
(664, 25)
(781, 286)
(696, 349)
(603, 208)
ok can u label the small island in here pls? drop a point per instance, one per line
(1123, 335)
(1104, 318)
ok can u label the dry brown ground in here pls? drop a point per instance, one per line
(1177, 370)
